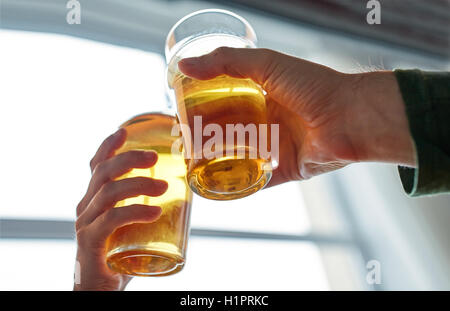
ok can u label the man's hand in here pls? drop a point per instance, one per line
(327, 119)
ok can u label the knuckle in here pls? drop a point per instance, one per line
(80, 207)
(78, 224)
(123, 156)
(204, 58)
(107, 190)
(266, 51)
(221, 51)
(84, 238)
(110, 216)
(101, 166)
(133, 155)
(267, 56)
(100, 169)
(144, 182)
(92, 164)
(127, 159)
(141, 179)
(80, 233)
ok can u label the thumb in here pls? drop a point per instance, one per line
(256, 64)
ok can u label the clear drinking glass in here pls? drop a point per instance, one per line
(158, 248)
(230, 165)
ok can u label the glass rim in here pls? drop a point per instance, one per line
(169, 46)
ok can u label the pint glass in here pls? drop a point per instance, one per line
(221, 118)
(158, 248)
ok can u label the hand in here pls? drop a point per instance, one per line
(96, 217)
(327, 119)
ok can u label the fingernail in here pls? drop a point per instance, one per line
(154, 211)
(164, 184)
(157, 210)
(150, 154)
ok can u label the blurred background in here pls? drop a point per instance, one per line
(65, 87)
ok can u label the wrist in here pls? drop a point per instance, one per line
(379, 127)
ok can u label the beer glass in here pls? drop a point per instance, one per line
(158, 248)
(222, 118)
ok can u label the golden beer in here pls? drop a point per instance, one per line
(221, 101)
(157, 248)
(219, 168)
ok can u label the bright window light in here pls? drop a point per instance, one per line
(240, 264)
(212, 264)
(37, 264)
(62, 96)
(279, 209)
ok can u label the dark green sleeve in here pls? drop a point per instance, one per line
(427, 99)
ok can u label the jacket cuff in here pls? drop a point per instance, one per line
(426, 96)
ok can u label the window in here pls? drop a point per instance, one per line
(60, 98)
(52, 128)
(37, 264)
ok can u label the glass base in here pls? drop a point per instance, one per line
(229, 179)
(144, 263)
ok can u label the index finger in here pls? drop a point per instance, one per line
(108, 147)
(256, 64)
